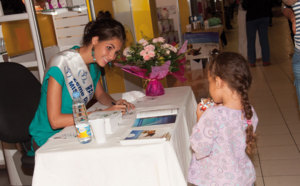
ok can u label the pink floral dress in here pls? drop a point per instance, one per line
(218, 142)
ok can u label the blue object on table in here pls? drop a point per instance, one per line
(202, 37)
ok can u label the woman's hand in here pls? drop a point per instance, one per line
(122, 105)
(129, 106)
(199, 111)
(122, 108)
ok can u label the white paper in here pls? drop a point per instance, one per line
(132, 96)
(66, 133)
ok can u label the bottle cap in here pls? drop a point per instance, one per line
(76, 95)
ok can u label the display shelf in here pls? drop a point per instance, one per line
(31, 17)
(13, 17)
(54, 11)
(58, 11)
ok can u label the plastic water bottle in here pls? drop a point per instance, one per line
(80, 116)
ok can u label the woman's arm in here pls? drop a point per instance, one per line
(288, 12)
(57, 120)
(105, 99)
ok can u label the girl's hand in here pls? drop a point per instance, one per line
(199, 112)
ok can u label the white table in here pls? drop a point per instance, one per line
(67, 162)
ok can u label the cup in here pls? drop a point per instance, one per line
(98, 127)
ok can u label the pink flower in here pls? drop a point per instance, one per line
(170, 47)
(147, 54)
(155, 40)
(151, 54)
(126, 52)
(159, 39)
(149, 48)
(143, 42)
(143, 52)
(146, 57)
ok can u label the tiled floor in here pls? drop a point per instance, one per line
(274, 98)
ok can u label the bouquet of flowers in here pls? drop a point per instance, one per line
(153, 59)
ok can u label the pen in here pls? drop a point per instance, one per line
(113, 103)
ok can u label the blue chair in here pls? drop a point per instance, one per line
(19, 99)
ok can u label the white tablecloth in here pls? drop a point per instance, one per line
(67, 162)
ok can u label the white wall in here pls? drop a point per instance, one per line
(123, 13)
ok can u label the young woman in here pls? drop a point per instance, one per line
(77, 70)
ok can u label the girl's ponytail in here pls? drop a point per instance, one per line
(250, 136)
(234, 69)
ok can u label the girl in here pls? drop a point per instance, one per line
(77, 70)
(223, 139)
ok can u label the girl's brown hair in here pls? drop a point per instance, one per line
(234, 69)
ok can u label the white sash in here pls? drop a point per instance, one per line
(76, 73)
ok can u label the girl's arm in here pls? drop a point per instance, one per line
(203, 136)
(57, 120)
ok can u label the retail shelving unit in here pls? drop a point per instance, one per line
(30, 15)
(17, 177)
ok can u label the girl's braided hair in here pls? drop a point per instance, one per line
(234, 69)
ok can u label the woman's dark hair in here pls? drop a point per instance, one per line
(234, 70)
(105, 27)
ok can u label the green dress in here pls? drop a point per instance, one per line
(40, 128)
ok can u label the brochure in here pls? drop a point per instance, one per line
(136, 136)
(157, 120)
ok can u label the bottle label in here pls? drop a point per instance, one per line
(83, 130)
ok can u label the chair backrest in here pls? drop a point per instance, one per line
(19, 98)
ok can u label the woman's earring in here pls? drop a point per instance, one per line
(93, 54)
